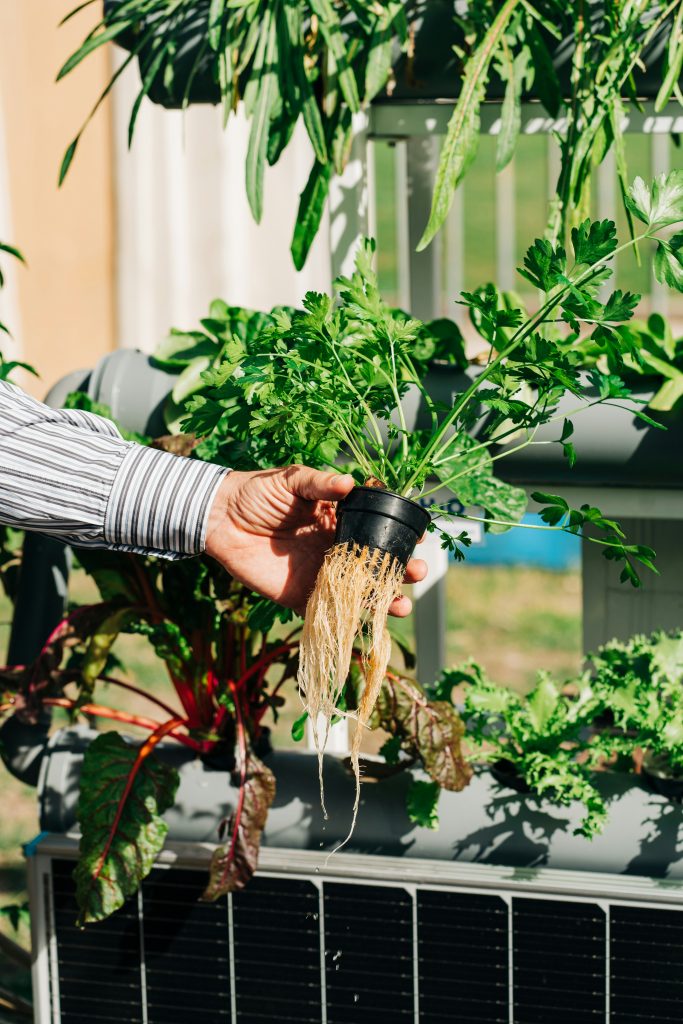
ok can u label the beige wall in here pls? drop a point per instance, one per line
(66, 296)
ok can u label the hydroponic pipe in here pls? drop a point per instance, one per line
(487, 822)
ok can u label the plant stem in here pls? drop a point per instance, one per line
(100, 711)
(518, 337)
(140, 693)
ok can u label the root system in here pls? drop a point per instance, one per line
(349, 604)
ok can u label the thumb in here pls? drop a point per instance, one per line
(314, 485)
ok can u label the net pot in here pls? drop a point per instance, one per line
(374, 518)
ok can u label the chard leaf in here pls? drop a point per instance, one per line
(233, 864)
(438, 734)
(430, 730)
(99, 647)
(124, 792)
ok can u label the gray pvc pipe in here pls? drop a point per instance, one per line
(486, 823)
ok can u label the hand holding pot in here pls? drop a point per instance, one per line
(270, 529)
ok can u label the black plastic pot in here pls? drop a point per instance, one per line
(193, 61)
(374, 518)
(434, 72)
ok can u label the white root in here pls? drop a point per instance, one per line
(353, 592)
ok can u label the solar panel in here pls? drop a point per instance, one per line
(336, 950)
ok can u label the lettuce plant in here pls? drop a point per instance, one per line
(641, 686)
(545, 736)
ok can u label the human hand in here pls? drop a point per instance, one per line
(271, 528)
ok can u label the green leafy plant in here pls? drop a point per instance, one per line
(641, 685)
(655, 361)
(311, 60)
(514, 41)
(327, 385)
(544, 738)
(322, 61)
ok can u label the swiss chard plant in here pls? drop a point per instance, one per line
(227, 654)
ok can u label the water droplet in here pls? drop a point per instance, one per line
(337, 966)
(356, 997)
(317, 871)
(337, 954)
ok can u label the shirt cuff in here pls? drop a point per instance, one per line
(160, 503)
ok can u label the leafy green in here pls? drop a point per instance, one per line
(233, 864)
(545, 736)
(119, 812)
(422, 802)
(423, 729)
(462, 138)
(284, 61)
(327, 385)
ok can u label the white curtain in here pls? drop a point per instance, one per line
(185, 234)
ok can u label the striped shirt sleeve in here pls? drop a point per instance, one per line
(71, 475)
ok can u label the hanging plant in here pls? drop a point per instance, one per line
(515, 44)
(285, 60)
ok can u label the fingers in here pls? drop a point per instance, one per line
(313, 485)
(416, 570)
(401, 607)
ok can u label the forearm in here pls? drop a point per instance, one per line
(72, 476)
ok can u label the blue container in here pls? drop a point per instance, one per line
(544, 549)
